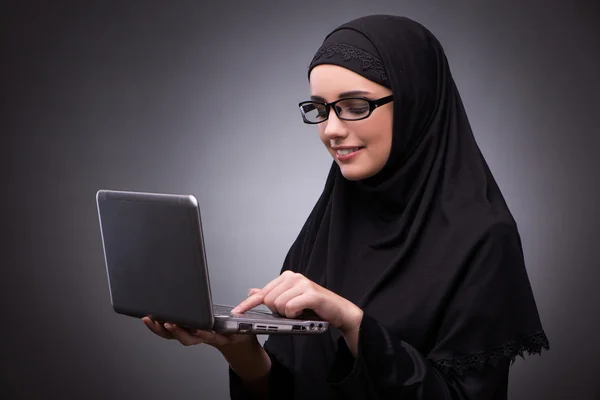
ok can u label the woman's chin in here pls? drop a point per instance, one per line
(354, 172)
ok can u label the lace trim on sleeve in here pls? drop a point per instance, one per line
(531, 344)
(368, 61)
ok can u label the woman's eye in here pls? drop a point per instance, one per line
(358, 110)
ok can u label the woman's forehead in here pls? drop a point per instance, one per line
(333, 80)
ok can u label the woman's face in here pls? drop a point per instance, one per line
(371, 136)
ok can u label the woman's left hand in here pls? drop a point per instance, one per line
(291, 293)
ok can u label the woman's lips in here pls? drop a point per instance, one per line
(347, 153)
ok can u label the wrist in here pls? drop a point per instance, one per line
(352, 321)
(247, 359)
(246, 347)
(350, 330)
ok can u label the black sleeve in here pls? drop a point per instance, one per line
(281, 383)
(388, 368)
(491, 319)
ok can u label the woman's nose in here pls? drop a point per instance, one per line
(335, 127)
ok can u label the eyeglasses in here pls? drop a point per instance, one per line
(347, 109)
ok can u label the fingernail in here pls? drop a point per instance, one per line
(235, 310)
(168, 326)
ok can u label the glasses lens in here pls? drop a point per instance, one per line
(350, 109)
(313, 112)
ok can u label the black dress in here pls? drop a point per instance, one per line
(427, 248)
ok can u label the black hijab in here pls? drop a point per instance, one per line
(427, 247)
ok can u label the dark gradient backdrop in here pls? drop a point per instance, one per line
(201, 98)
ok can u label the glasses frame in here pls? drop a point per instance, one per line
(373, 104)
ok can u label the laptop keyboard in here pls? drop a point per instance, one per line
(221, 310)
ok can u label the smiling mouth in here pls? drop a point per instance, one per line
(345, 152)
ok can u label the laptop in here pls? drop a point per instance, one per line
(156, 266)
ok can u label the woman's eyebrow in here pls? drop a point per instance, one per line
(353, 93)
(350, 93)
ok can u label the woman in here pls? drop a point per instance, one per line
(410, 253)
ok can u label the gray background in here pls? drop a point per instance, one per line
(201, 98)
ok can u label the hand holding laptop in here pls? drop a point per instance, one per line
(191, 337)
(157, 270)
(187, 337)
(156, 266)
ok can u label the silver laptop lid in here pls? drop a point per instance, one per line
(155, 257)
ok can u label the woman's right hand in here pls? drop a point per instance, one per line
(189, 338)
